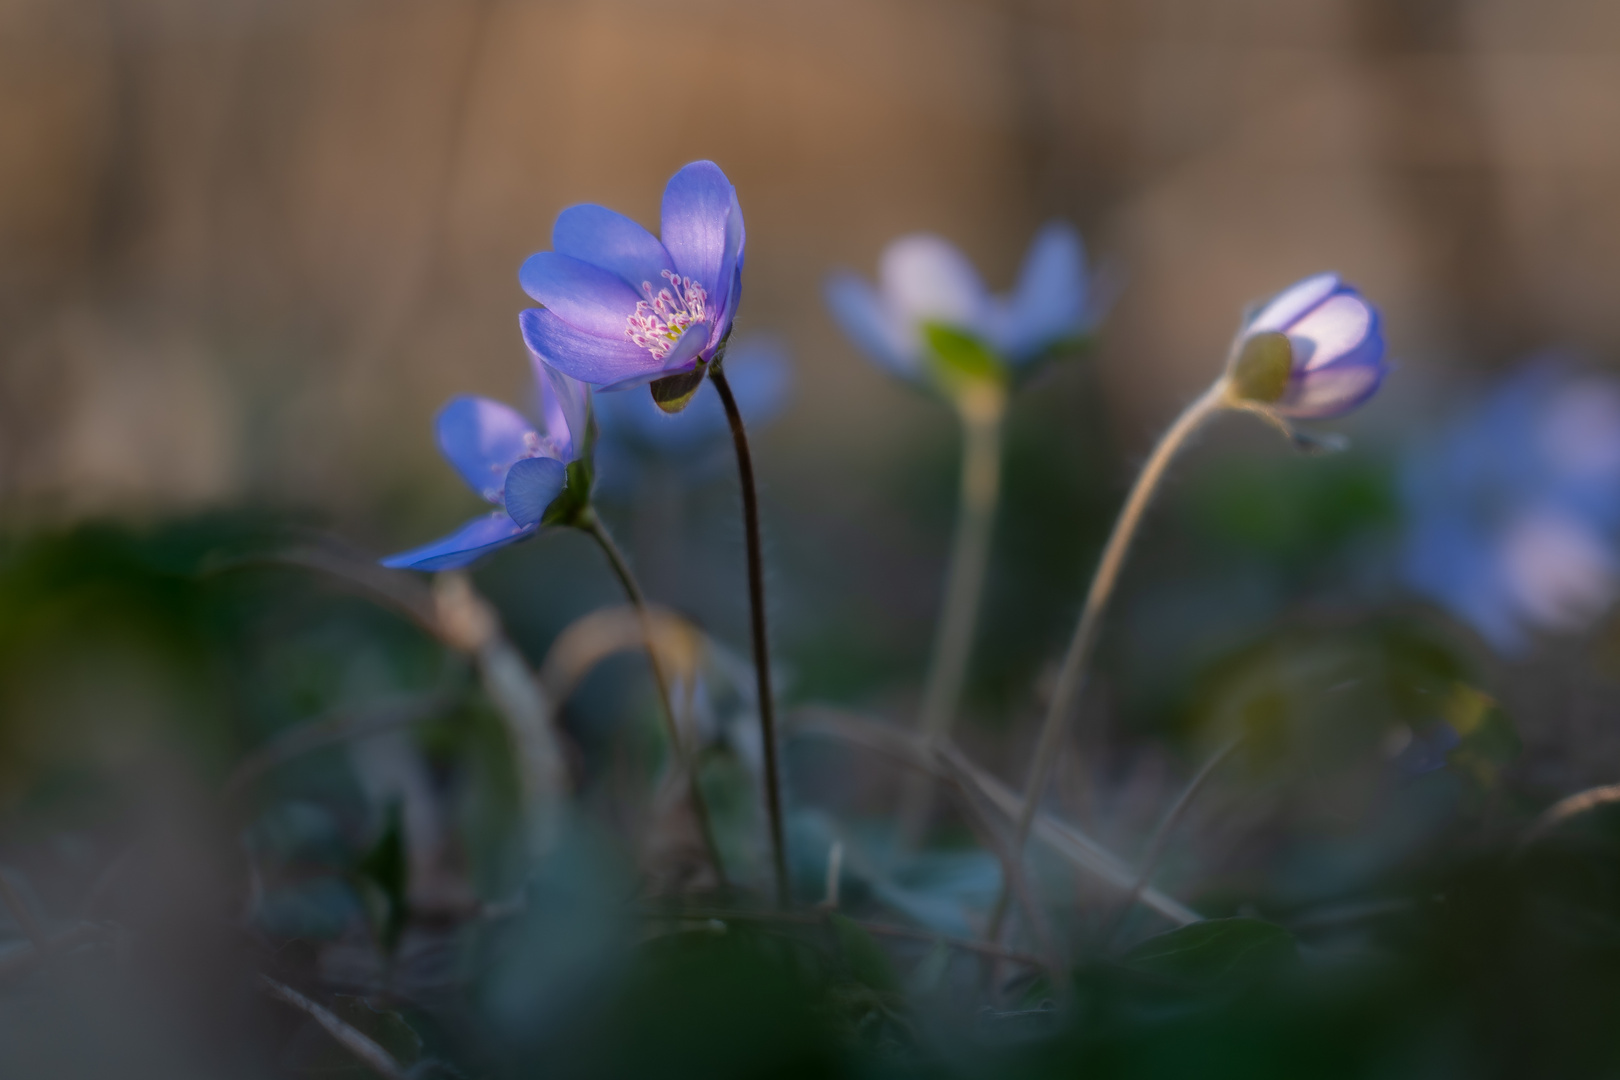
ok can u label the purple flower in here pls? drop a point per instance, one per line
(1312, 352)
(925, 284)
(621, 308)
(519, 465)
(1514, 510)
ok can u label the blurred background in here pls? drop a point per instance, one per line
(247, 249)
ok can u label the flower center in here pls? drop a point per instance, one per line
(663, 317)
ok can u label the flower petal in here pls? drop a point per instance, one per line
(564, 406)
(608, 239)
(1049, 303)
(478, 537)
(925, 279)
(599, 361)
(1331, 330)
(585, 297)
(697, 226)
(1561, 572)
(531, 484)
(1330, 391)
(731, 264)
(681, 357)
(728, 311)
(1287, 306)
(860, 313)
(482, 438)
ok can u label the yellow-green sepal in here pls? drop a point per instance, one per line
(1261, 369)
(675, 392)
(958, 360)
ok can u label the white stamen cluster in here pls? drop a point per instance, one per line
(662, 318)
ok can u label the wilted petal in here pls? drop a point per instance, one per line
(1332, 329)
(1294, 301)
(531, 484)
(585, 297)
(476, 538)
(698, 227)
(925, 279)
(608, 239)
(861, 315)
(1049, 303)
(600, 361)
(482, 438)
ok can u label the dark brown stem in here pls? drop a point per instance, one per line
(686, 758)
(762, 649)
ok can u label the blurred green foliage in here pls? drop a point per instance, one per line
(1378, 912)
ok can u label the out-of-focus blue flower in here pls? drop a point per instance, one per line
(622, 308)
(519, 465)
(1514, 511)
(924, 282)
(635, 433)
(1334, 356)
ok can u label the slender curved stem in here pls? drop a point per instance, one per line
(1161, 838)
(1570, 806)
(762, 649)
(982, 407)
(1071, 676)
(685, 756)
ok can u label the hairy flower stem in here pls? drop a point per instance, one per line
(685, 758)
(981, 406)
(1071, 676)
(762, 649)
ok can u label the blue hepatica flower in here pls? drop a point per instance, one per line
(1312, 352)
(924, 282)
(623, 308)
(518, 464)
(1514, 510)
(636, 433)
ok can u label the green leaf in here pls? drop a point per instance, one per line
(1215, 951)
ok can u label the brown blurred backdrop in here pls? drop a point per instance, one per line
(247, 246)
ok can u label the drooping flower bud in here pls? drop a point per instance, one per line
(1334, 357)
